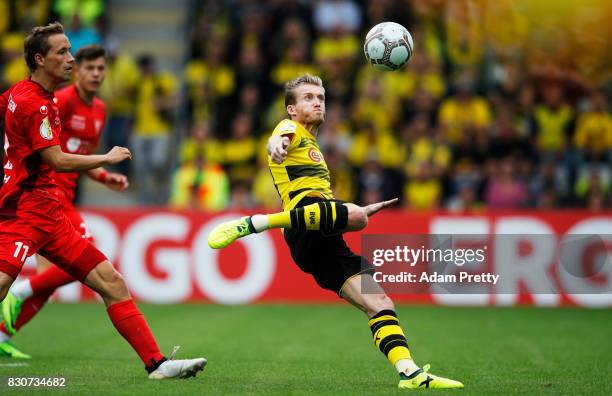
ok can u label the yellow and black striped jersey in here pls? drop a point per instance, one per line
(304, 171)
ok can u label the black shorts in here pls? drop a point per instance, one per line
(326, 257)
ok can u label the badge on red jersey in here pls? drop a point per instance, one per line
(43, 110)
(45, 129)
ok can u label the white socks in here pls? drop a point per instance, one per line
(260, 222)
(406, 366)
(4, 337)
(22, 290)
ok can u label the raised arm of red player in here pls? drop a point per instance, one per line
(64, 162)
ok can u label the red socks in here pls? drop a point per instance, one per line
(131, 324)
(49, 280)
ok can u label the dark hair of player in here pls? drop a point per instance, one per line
(89, 52)
(291, 85)
(37, 42)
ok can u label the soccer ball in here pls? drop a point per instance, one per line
(388, 46)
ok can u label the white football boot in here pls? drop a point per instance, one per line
(182, 368)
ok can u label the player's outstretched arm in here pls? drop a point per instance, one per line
(114, 181)
(64, 162)
(278, 147)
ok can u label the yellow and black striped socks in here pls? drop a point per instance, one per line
(389, 338)
(327, 216)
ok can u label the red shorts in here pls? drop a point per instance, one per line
(52, 235)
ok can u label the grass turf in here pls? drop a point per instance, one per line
(321, 349)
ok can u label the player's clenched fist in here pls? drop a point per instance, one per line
(279, 151)
(117, 154)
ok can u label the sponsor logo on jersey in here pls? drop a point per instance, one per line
(45, 129)
(43, 110)
(73, 144)
(78, 122)
(314, 155)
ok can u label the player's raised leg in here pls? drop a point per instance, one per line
(363, 292)
(327, 216)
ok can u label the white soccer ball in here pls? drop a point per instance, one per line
(388, 46)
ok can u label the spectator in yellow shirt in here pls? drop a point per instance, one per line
(421, 147)
(208, 79)
(119, 92)
(424, 191)
(374, 144)
(593, 135)
(240, 150)
(374, 106)
(201, 143)
(153, 125)
(552, 121)
(464, 110)
(14, 69)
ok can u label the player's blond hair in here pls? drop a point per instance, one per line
(291, 85)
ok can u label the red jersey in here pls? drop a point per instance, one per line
(31, 123)
(82, 125)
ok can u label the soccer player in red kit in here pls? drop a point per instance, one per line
(32, 218)
(82, 117)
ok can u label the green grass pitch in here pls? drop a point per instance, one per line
(321, 349)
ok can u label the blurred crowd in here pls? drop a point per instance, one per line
(492, 110)
(83, 20)
(504, 104)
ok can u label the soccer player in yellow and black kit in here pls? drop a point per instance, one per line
(313, 222)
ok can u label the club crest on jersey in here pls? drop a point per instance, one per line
(43, 110)
(314, 155)
(45, 129)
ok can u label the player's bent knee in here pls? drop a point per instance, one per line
(357, 218)
(116, 287)
(108, 282)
